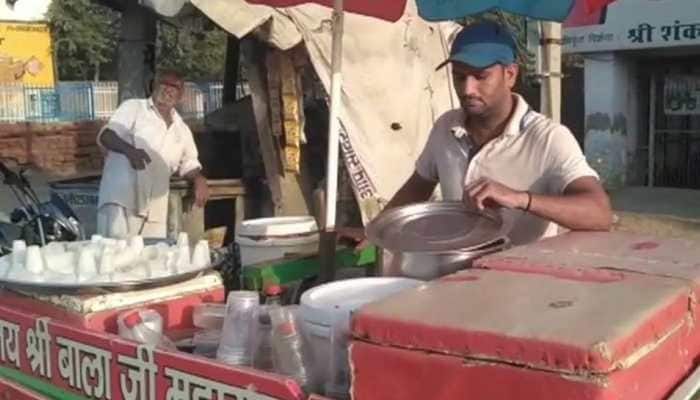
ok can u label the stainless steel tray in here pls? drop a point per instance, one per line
(434, 227)
(99, 288)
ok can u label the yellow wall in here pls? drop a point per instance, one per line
(25, 53)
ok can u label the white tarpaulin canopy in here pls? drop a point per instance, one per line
(391, 92)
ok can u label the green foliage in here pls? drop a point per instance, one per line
(193, 46)
(84, 37)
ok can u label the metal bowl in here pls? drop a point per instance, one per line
(428, 266)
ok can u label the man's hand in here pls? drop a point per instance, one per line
(487, 193)
(356, 235)
(138, 158)
(201, 191)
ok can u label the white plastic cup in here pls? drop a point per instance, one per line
(182, 259)
(201, 257)
(87, 265)
(183, 239)
(136, 244)
(34, 262)
(107, 261)
(19, 253)
(240, 321)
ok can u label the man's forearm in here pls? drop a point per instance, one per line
(579, 211)
(194, 174)
(415, 190)
(111, 141)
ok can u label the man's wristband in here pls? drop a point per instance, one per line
(529, 201)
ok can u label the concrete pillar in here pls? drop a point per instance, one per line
(612, 118)
(136, 50)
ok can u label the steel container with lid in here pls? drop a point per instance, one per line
(432, 239)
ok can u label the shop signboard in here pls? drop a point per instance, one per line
(26, 55)
(631, 25)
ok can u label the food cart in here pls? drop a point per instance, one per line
(65, 346)
(583, 315)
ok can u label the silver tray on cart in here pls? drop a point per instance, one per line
(99, 288)
(75, 288)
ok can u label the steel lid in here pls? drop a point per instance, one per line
(434, 227)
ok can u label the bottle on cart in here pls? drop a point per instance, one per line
(262, 359)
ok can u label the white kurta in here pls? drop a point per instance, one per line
(171, 149)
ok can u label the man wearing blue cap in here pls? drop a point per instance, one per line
(495, 151)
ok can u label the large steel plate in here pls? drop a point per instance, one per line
(435, 227)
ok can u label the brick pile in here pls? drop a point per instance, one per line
(60, 148)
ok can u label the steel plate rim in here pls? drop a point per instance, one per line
(376, 226)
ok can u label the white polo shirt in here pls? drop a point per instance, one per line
(534, 153)
(171, 149)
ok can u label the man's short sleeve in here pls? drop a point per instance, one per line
(122, 121)
(426, 165)
(566, 160)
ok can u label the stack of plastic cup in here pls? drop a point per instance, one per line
(338, 386)
(291, 355)
(237, 336)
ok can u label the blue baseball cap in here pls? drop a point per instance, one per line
(482, 45)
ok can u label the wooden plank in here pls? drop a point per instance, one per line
(256, 80)
(288, 192)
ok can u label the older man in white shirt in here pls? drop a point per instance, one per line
(146, 142)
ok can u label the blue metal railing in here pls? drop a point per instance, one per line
(76, 101)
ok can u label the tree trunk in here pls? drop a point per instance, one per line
(96, 76)
(136, 51)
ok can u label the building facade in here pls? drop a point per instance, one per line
(642, 90)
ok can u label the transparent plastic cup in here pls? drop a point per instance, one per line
(290, 354)
(209, 315)
(338, 385)
(206, 343)
(237, 337)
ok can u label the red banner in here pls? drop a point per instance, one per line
(593, 6)
(390, 10)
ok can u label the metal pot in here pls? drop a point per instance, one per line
(428, 266)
